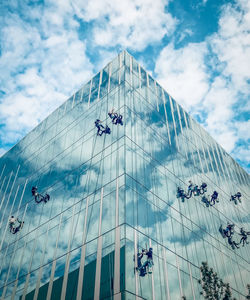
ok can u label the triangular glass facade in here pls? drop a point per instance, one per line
(111, 195)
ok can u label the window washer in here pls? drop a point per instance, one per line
(190, 189)
(39, 197)
(140, 267)
(118, 120)
(232, 243)
(113, 115)
(203, 188)
(12, 222)
(244, 235)
(214, 198)
(99, 126)
(20, 226)
(205, 200)
(196, 190)
(181, 194)
(236, 197)
(148, 264)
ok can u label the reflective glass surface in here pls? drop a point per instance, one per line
(113, 194)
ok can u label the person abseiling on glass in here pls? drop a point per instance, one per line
(140, 267)
(244, 235)
(214, 198)
(116, 119)
(148, 264)
(17, 228)
(203, 188)
(181, 194)
(12, 222)
(39, 197)
(228, 231)
(101, 128)
(232, 243)
(205, 200)
(236, 197)
(190, 189)
(113, 115)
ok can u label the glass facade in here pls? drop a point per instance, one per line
(115, 194)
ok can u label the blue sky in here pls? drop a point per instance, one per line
(199, 50)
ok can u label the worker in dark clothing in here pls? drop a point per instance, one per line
(34, 191)
(181, 194)
(20, 226)
(140, 267)
(229, 230)
(244, 235)
(39, 197)
(118, 120)
(113, 115)
(232, 243)
(203, 188)
(196, 190)
(236, 197)
(148, 264)
(190, 189)
(214, 198)
(99, 126)
(12, 222)
(205, 200)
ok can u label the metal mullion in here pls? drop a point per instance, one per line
(172, 112)
(156, 92)
(99, 85)
(6, 190)
(13, 294)
(48, 297)
(165, 268)
(196, 146)
(99, 253)
(83, 252)
(165, 110)
(219, 159)
(135, 255)
(29, 269)
(90, 86)
(42, 262)
(117, 246)
(2, 172)
(2, 183)
(152, 277)
(11, 189)
(191, 279)
(80, 97)
(66, 270)
(24, 215)
(214, 157)
(73, 102)
(179, 275)
(10, 265)
(7, 224)
(109, 70)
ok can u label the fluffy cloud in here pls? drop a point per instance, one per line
(41, 65)
(131, 24)
(211, 79)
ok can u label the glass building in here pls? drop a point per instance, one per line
(112, 195)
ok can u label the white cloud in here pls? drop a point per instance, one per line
(211, 78)
(183, 73)
(131, 24)
(41, 66)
